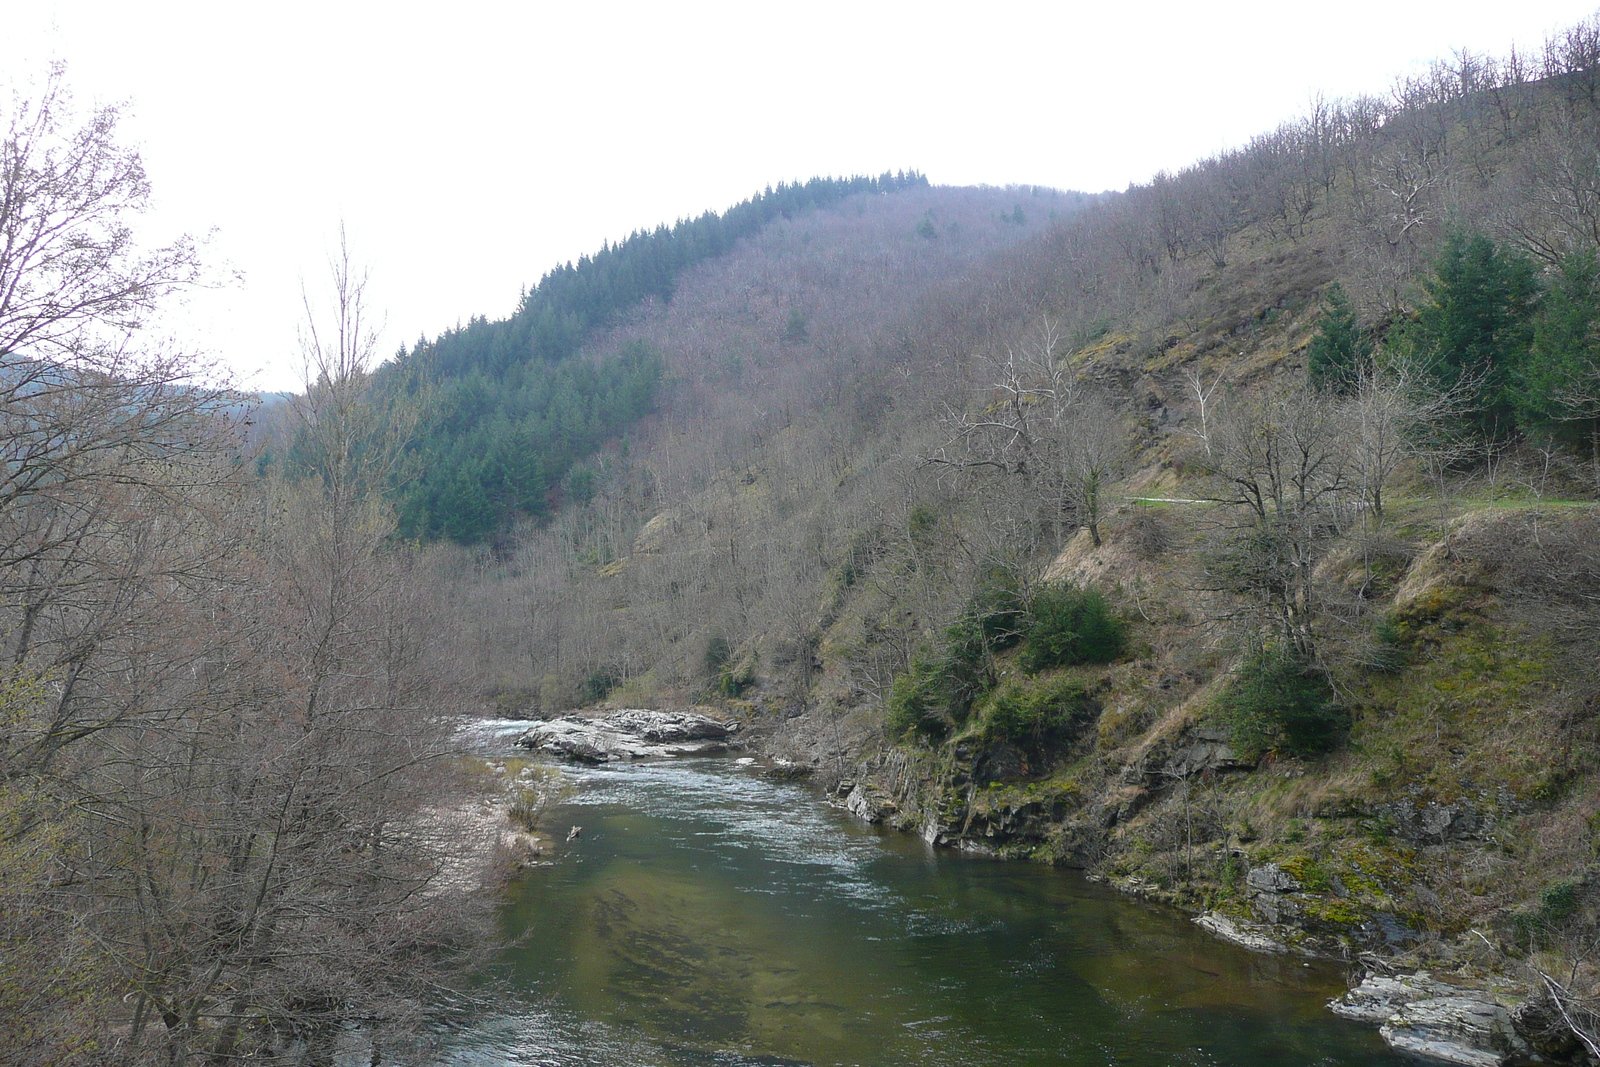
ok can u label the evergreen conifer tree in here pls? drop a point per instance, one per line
(1340, 351)
(1476, 328)
(1558, 385)
(795, 331)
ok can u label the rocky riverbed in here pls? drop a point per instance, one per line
(630, 734)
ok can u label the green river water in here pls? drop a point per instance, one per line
(708, 916)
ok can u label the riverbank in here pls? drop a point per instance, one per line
(1446, 831)
(1450, 1000)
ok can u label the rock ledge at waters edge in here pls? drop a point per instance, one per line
(1461, 1023)
(1482, 1022)
(629, 734)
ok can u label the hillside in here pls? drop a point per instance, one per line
(1310, 423)
(504, 410)
(1234, 538)
(770, 391)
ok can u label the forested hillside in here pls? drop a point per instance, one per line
(765, 358)
(506, 409)
(1231, 536)
(824, 410)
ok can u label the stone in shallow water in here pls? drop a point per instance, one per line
(1252, 936)
(630, 734)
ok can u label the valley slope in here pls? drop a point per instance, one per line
(1350, 704)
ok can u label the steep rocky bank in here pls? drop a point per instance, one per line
(1444, 848)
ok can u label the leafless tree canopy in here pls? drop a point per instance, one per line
(225, 796)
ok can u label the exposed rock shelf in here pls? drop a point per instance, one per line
(630, 734)
(1465, 1024)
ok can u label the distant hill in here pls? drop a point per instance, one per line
(510, 409)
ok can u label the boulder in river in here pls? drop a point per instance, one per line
(632, 733)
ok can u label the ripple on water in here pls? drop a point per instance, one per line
(712, 917)
(782, 820)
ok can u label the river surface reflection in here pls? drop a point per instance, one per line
(708, 916)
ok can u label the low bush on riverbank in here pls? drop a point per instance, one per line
(1068, 626)
(1033, 713)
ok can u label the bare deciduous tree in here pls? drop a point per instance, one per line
(1281, 472)
(1050, 424)
(1394, 413)
(73, 280)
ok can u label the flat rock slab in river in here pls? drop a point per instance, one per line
(633, 733)
(1436, 1020)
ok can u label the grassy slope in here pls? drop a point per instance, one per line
(1487, 718)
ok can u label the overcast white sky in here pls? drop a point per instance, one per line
(470, 146)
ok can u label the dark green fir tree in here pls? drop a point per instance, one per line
(1477, 325)
(1340, 351)
(1558, 385)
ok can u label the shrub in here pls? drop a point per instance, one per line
(936, 694)
(527, 807)
(918, 702)
(1388, 653)
(966, 668)
(997, 610)
(1559, 904)
(717, 652)
(735, 678)
(600, 683)
(1031, 714)
(1068, 626)
(1148, 535)
(859, 555)
(1277, 702)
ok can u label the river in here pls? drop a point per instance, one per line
(708, 916)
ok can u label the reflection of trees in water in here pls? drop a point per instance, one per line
(677, 973)
(706, 921)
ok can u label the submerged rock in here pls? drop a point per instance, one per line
(633, 733)
(785, 770)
